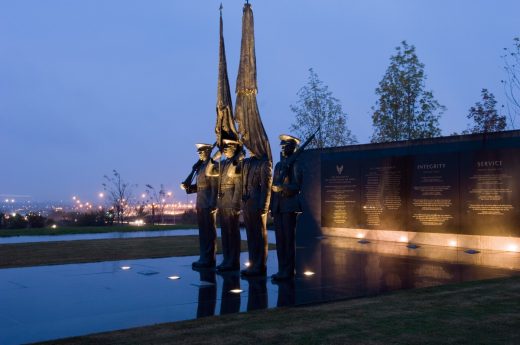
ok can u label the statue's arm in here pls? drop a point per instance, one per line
(266, 181)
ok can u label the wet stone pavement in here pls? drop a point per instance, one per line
(50, 302)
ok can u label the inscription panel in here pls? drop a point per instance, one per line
(383, 196)
(434, 193)
(490, 193)
(340, 193)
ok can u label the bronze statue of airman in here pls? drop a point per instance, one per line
(285, 206)
(228, 202)
(256, 192)
(206, 205)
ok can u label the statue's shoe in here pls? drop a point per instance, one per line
(203, 264)
(281, 276)
(227, 268)
(253, 273)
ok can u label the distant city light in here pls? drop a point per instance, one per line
(247, 264)
(174, 277)
(101, 195)
(137, 222)
(54, 226)
(125, 268)
(235, 291)
(308, 273)
(73, 198)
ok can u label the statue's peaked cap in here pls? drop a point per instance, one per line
(203, 147)
(230, 142)
(289, 138)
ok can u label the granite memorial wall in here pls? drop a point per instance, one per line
(456, 185)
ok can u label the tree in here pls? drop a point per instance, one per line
(485, 115)
(157, 200)
(119, 193)
(405, 110)
(512, 82)
(317, 107)
(35, 220)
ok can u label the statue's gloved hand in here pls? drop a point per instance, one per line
(197, 165)
(276, 188)
(216, 156)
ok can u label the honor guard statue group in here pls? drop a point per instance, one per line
(237, 181)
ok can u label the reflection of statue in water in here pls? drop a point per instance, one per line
(257, 295)
(256, 185)
(206, 189)
(286, 293)
(285, 206)
(207, 294)
(230, 193)
(230, 302)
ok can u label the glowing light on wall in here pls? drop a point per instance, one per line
(512, 247)
(403, 239)
(452, 243)
(360, 235)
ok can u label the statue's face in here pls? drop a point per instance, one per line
(203, 155)
(229, 151)
(288, 148)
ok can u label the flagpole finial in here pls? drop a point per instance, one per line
(220, 8)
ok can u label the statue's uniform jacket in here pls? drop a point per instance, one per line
(230, 184)
(206, 189)
(228, 204)
(289, 199)
(256, 184)
(285, 206)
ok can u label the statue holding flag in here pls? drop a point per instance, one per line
(257, 169)
(229, 170)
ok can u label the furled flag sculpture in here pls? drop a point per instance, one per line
(225, 126)
(250, 125)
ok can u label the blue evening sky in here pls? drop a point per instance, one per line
(87, 86)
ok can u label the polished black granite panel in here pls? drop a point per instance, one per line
(460, 185)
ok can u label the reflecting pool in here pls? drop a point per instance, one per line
(49, 302)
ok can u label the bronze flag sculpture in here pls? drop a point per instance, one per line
(257, 169)
(225, 124)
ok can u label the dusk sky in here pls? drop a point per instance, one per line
(87, 86)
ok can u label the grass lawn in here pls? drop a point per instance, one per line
(90, 229)
(67, 252)
(484, 312)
